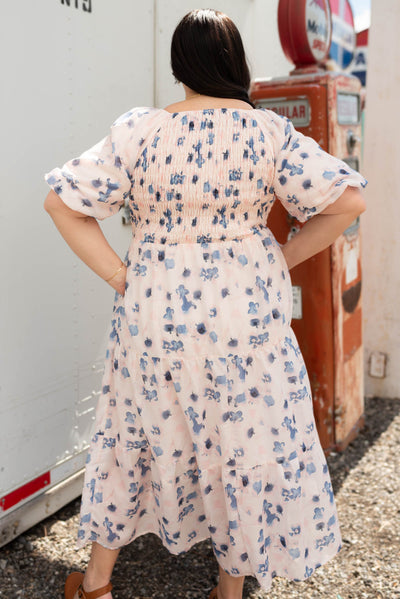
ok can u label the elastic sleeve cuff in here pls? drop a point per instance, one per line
(305, 214)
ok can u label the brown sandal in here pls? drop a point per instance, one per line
(74, 583)
(213, 594)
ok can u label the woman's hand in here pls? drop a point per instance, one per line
(323, 229)
(118, 282)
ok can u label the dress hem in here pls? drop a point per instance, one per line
(325, 557)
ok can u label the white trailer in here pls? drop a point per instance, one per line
(69, 69)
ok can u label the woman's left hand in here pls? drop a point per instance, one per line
(118, 282)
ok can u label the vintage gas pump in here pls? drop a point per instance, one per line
(327, 317)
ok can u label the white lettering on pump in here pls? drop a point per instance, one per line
(298, 111)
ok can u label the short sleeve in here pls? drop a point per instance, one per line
(306, 178)
(97, 182)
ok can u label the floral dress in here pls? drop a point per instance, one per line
(205, 426)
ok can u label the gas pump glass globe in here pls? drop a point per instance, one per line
(305, 30)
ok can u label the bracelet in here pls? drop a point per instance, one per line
(116, 272)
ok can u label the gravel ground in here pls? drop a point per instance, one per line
(366, 486)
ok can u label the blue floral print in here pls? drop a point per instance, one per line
(205, 425)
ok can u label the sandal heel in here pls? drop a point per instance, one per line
(74, 583)
(213, 594)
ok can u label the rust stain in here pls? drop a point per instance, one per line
(351, 296)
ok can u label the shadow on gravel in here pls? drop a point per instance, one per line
(379, 414)
(36, 564)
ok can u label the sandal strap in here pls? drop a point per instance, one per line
(94, 594)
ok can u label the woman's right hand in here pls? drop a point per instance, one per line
(324, 228)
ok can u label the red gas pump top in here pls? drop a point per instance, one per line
(305, 31)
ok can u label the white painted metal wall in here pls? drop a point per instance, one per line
(381, 239)
(67, 74)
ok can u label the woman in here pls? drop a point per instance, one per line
(205, 426)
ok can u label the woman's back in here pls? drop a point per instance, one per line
(203, 173)
(211, 173)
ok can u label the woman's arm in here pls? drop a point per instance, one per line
(86, 239)
(321, 230)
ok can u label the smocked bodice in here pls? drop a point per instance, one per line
(202, 175)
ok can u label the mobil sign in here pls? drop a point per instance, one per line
(343, 34)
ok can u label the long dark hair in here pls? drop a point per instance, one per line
(208, 56)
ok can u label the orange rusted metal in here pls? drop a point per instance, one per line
(329, 328)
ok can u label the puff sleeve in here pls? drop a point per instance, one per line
(306, 178)
(97, 182)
